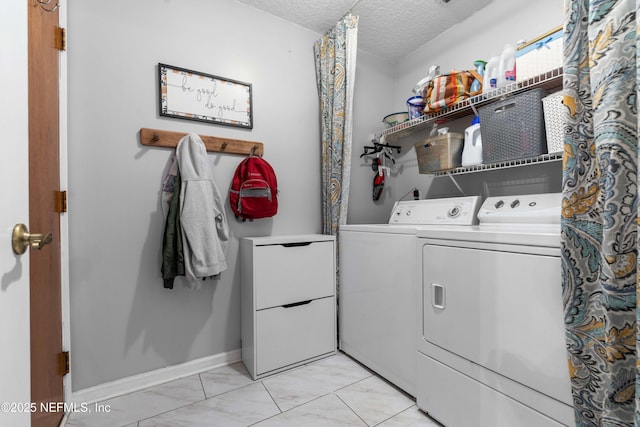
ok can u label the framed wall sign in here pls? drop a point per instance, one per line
(191, 95)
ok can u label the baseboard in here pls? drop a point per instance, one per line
(148, 379)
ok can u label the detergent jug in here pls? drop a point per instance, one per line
(507, 66)
(490, 78)
(472, 151)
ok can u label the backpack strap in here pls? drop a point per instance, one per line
(252, 153)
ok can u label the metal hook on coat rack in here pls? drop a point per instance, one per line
(42, 4)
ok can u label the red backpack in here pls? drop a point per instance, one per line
(254, 188)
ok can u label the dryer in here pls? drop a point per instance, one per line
(491, 344)
(377, 318)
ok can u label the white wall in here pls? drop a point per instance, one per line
(479, 37)
(383, 88)
(122, 320)
(15, 368)
(373, 94)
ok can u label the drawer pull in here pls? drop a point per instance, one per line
(295, 244)
(296, 304)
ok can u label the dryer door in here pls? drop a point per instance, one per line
(501, 310)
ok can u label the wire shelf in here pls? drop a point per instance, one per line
(543, 158)
(549, 80)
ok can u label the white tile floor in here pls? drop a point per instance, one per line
(335, 391)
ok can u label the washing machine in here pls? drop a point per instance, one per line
(377, 318)
(491, 342)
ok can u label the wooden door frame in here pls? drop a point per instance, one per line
(64, 184)
(63, 176)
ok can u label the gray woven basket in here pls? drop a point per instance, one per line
(513, 128)
(554, 121)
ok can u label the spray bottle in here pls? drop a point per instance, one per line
(475, 86)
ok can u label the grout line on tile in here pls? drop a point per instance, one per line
(198, 401)
(388, 418)
(295, 407)
(271, 396)
(165, 412)
(274, 402)
(204, 391)
(141, 391)
(351, 409)
(352, 384)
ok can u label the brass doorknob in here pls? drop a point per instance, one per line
(21, 239)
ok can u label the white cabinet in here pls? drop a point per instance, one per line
(288, 301)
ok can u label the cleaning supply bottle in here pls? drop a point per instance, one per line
(475, 86)
(472, 151)
(507, 67)
(490, 79)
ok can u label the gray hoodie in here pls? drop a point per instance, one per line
(205, 231)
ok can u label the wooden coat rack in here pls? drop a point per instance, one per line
(169, 139)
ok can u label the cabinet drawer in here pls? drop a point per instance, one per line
(285, 336)
(285, 274)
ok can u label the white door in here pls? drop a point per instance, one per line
(14, 172)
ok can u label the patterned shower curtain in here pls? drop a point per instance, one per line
(335, 55)
(600, 210)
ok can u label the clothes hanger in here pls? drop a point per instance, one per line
(368, 150)
(377, 148)
(380, 146)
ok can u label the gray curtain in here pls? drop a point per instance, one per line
(335, 55)
(600, 210)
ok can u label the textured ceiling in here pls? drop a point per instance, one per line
(388, 29)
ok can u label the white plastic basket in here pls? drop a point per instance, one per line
(554, 122)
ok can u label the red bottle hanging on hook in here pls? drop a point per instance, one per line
(378, 179)
(380, 151)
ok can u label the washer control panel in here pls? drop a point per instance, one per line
(453, 210)
(530, 209)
